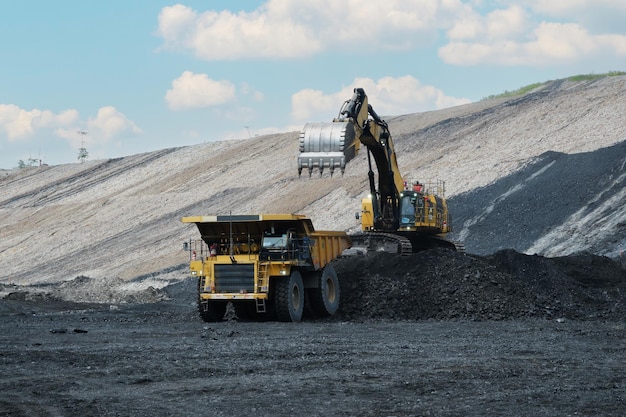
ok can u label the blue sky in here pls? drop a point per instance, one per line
(148, 74)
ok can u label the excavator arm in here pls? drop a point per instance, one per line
(333, 145)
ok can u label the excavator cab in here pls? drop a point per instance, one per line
(409, 209)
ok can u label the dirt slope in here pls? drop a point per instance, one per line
(558, 204)
(118, 220)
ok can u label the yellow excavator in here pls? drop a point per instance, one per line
(399, 215)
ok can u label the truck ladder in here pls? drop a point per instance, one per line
(262, 282)
(260, 305)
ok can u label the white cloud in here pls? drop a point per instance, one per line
(507, 23)
(519, 33)
(70, 134)
(574, 8)
(509, 37)
(499, 24)
(388, 96)
(44, 126)
(16, 122)
(308, 104)
(224, 35)
(288, 29)
(64, 118)
(110, 122)
(176, 25)
(597, 16)
(107, 124)
(20, 124)
(198, 90)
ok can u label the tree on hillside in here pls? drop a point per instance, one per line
(29, 163)
(82, 154)
(82, 151)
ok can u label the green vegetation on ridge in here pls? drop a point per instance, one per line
(530, 87)
(587, 77)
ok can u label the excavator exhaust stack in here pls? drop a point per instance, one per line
(327, 145)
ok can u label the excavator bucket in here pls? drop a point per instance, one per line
(326, 145)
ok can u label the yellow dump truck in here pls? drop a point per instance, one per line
(270, 266)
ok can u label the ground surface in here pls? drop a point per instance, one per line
(448, 335)
(137, 361)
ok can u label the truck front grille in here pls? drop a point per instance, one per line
(234, 278)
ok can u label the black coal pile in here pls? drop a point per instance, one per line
(441, 284)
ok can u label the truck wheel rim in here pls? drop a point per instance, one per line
(331, 292)
(295, 297)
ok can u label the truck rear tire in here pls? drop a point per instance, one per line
(212, 310)
(325, 298)
(290, 297)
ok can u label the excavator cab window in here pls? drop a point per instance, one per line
(407, 210)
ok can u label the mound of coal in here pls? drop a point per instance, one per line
(440, 284)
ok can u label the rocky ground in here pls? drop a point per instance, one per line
(443, 285)
(435, 284)
(156, 360)
(436, 333)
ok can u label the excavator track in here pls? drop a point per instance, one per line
(385, 242)
(396, 243)
(460, 247)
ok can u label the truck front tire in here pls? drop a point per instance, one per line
(290, 297)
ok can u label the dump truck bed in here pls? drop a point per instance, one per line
(243, 234)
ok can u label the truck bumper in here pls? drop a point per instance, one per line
(233, 296)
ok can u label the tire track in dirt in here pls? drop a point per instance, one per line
(82, 181)
(122, 246)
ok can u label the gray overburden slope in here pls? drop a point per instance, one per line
(541, 173)
(557, 205)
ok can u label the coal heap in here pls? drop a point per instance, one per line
(442, 284)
